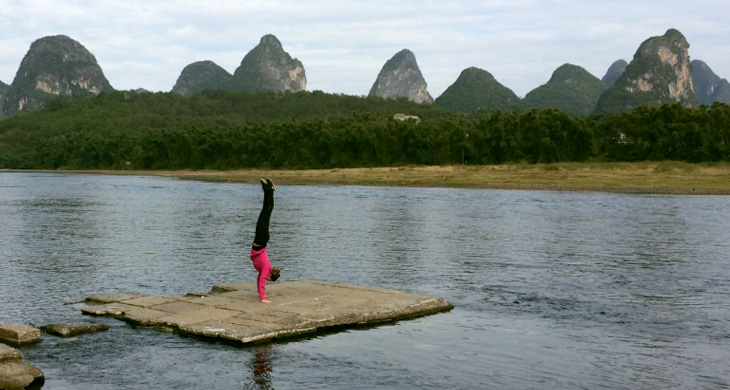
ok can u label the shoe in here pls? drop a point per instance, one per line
(264, 184)
(271, 185)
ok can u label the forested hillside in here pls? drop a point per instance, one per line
(226, 130)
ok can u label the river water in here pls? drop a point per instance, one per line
(552, 290)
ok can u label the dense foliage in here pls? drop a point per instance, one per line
(478, 89)
(199, 76)
(226, 130)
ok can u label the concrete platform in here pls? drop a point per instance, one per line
(17, 334)
(233, 312)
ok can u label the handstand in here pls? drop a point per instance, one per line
(258, 248)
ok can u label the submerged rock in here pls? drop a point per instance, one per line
(69, 330)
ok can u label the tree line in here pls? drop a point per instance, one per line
(227, 130)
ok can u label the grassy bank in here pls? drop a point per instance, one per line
(643, 177)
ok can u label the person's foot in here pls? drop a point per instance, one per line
(271, 185)
(264, 184)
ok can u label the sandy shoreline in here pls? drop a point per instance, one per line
(645, 177)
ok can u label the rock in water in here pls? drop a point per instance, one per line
(18, 334)
(69, 330)
(614, 72)
(54, 66)
(477, 89)
(659, 73)
(14, 374)
(200, 76)
(571, 89)
(400, 77)
(269, 68)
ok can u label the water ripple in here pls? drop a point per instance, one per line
(552, 289)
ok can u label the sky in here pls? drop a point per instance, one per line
(343, 45)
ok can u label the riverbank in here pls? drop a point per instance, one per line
(642, 177)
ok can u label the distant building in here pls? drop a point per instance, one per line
(402, 117)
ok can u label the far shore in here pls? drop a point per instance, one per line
(643, 177)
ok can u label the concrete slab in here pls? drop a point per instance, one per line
(176, 306)
(195, 316)
(110, 309)
(114, 296)
(70, 330)
(144, 316)
(19, 334)
(148, 301)
(233, 312)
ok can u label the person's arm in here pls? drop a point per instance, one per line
(261, 283)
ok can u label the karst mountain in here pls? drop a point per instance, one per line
(571, 89)
(660, 72)
(477, 89)
(54, 66)
(401, 77)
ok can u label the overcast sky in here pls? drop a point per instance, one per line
(344, 44)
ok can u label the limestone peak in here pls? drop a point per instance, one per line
(708, 86)
(200, 76)
(659, 73)
(54, 66)
(614, 72)
(401, 77)
(477, 89)
(272, 41)
(571, 88)
(267, 67)
(4, 89)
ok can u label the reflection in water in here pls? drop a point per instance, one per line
(261, 367)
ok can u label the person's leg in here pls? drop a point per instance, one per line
(262, 224)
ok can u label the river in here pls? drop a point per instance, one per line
(552, 290)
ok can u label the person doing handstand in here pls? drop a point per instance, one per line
(258, 248)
